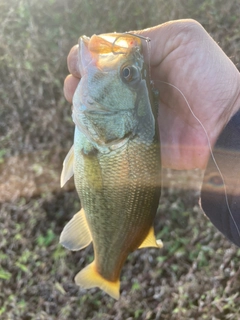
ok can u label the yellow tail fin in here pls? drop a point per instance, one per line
(90, 278)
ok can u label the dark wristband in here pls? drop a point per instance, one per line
(220, 198)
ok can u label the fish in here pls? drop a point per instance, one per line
(115, 158)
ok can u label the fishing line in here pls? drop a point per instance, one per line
(211, 151)
(149, 48)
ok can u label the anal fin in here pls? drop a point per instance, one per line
(67, 170)
(76, 234)
(90, 278)
(150, 241)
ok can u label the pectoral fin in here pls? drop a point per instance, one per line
(90, 278)
(76, 234)
(150, 241)
(67, 170)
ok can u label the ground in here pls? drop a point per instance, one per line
(195, 275)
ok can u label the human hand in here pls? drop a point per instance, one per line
(185, 56)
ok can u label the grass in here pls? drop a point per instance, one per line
(195, 275)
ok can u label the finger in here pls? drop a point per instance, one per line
(70, 85)
(72, 62)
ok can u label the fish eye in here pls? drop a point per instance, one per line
(129, 73)
(126, 73)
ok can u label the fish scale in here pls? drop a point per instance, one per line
(119, 201)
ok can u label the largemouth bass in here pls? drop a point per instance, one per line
(115, 158)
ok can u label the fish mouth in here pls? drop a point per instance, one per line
(116, 43)
(93, 50)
